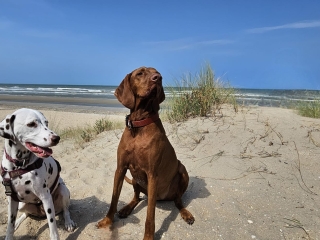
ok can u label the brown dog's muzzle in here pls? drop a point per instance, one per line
(156, 77)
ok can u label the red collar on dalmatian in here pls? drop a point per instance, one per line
(20, 163)
(18, 172)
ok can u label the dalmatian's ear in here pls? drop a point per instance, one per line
(6, 128)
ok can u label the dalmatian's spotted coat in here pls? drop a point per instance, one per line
(40, 192)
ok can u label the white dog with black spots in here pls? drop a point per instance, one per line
(31, 176)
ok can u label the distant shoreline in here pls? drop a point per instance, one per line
(59, 103)
(91, 96)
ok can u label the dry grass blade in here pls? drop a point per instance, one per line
(212, 158)
(279, 135)
(265, 154)
(249, 171)
(244, 154)
(294, 223)
(312, 139)
(298, 167)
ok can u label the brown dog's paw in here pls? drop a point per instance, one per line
(187, 216)
(104, 223)
(125, 211)
(190, 220)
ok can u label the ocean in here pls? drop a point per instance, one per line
(86, 91)
(259, 97)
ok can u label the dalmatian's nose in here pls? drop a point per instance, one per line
(55, 139)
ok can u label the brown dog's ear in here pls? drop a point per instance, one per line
(124, 93)
(159, 99)
(161, 95)
(6, 128)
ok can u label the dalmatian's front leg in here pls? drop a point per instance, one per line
(12, 215)
(50, 212)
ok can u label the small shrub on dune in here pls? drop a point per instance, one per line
(309, 108)
(86, 136)
(200, 95)
(87, 133)
(102, 125)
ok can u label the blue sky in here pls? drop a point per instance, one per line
(249, 43)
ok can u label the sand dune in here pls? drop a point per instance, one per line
(254, 174)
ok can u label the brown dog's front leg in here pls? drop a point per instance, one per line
(126, 210)
(183, 184)
(117, 186)
(152, 198)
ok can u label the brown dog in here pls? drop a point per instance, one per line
(145, 150)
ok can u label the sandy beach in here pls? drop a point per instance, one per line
(254, 174)
(61, 103)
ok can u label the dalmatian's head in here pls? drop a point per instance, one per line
(29, 128)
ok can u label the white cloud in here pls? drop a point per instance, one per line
(296, 25)
(186, 43)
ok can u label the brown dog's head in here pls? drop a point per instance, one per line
(142, 85)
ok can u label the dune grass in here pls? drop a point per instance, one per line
(309, 108)
(86, 133)
(201, 95)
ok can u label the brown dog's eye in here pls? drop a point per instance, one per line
(32, 124)
(139, 73)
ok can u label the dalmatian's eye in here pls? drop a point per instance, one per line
(32, 124)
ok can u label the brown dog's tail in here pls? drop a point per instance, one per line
(128, 180)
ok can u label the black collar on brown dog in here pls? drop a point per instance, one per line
(141, 123)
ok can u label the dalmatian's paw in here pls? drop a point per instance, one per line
(70, 226)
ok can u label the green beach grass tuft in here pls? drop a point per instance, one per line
(309, 108)
(200, 95)
(102, 125)
(88, 132)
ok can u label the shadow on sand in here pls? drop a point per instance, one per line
(83, 212)
(90, 210)
(196, 189)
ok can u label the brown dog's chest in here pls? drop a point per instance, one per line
(149, 154)
(141, 151)
(139, 164)
(139, 176)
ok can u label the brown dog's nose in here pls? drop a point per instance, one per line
(155, 77)
(55, 139)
